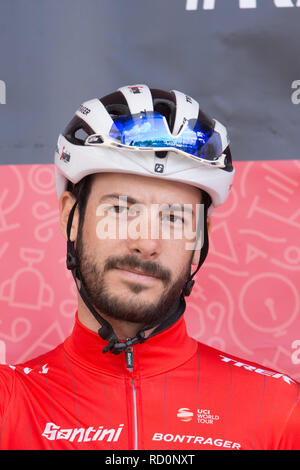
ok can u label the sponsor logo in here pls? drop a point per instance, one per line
(203, 416)
(200, 440)
(52, 432)
(159, 168)
(295, 97)
(206, 416)
(258, 370)
(27, 370)
(65, 156)
(185, 414)
(84, 110)
(136, 89)
(243, 4)
(2, 92)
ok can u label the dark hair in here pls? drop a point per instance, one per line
(81, 192)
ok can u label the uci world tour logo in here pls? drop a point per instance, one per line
(243, 4)
(185, 414)
(202, 416)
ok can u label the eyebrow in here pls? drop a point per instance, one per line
(131, 200)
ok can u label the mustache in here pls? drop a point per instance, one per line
(147, 267)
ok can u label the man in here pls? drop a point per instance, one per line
(138, 173)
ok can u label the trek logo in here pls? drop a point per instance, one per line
(52, 432)
(2, 92)
(136, 89)
(243, 4)
(258, 370)
(27, 370)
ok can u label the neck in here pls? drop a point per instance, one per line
(122, 329)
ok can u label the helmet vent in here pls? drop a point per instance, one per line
(81, 134)
(77, 131)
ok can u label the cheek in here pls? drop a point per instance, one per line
(176, 256)
(94, 246)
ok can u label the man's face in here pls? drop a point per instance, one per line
(133, 245)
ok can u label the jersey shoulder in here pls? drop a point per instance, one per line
(7, 379)
(242, 367)
(13, 375)
(252, 386)
(39, 364)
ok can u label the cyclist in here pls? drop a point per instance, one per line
(131, 168)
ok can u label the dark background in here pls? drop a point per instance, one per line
(239, 63)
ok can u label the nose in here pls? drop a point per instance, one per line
(143, 238)
(145, 248)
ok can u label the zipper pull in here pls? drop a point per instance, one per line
(129, 358)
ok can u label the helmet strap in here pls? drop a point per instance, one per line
(187, 289)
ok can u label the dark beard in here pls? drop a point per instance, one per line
(135, 310)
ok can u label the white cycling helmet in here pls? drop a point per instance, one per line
(147, 132)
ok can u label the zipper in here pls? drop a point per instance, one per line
(129, 365)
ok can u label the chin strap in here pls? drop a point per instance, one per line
(106, 332)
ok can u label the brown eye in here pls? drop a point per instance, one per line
(173, 218)
(118, 209)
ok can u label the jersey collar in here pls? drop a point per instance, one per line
(158, 354)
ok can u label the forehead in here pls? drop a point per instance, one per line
(144, 189)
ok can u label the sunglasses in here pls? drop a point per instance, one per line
(150, 131)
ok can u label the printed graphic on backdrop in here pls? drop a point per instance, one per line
(246, 300)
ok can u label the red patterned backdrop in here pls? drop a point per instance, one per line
(246, 298)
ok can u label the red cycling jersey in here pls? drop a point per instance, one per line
(171, 393)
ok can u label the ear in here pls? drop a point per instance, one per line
(197, 251)
(66, 202)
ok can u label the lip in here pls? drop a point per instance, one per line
(136, 275)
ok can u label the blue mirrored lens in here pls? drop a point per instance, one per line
(148, 130)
